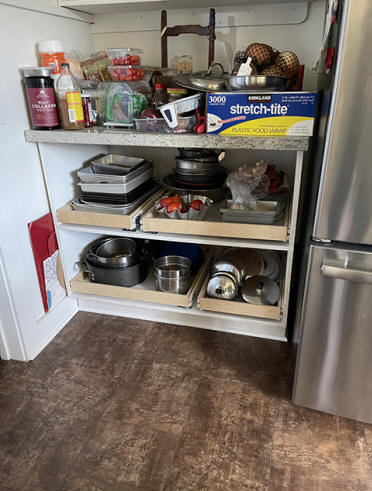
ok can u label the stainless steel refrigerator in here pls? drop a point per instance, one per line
(334, 354)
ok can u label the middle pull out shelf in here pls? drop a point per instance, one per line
(213, 226)
(152, 222)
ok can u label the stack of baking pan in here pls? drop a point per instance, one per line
(267, 211)
(114, 184)
(199, 168)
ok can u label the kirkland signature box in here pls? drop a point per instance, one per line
(261, 113)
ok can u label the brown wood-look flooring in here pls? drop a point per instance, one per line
(120, 404)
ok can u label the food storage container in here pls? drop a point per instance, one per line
(128, 73)
(122, 103)
(151, 124)
(125, 56)
(184, 125)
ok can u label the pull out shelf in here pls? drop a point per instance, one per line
(145, 291)
(213, 226)
(238, 306)
(67, 214)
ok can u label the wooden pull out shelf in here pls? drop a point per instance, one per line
(145, 291)
(67, 214)
(238, 306)
(213, 226)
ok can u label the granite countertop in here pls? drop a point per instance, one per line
(119, 136)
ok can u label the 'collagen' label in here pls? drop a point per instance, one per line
(43, 107)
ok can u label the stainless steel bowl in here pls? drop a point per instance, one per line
(173, 285)
(172, 267)
(118, 252)
(256, 82)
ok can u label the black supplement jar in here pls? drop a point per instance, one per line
(41, 98)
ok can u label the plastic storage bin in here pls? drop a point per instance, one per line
(184, 125)
(125, 56)
(122, 103)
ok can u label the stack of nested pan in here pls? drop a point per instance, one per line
(116, 261)
(199, 168)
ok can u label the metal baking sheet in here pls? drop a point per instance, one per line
(116, 188)
(112, 209)
(89, 176)
(118, 163)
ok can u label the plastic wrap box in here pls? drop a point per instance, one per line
(261, 114)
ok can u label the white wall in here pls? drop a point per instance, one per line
(23, 197)
(285, 26)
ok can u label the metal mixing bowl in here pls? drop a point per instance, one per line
(256, 82)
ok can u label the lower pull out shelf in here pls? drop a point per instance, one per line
(144, 292)
(238, 306)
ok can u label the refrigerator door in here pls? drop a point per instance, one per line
(334, 362)
(345, 198)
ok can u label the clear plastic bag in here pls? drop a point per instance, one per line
(248, 183)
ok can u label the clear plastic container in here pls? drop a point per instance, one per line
(126, 73)
(151, 124)
(122, 103)
(125, 56)
(184, 125)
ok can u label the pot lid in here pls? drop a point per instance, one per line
(222, 285)
(260, 290)
(214, 79)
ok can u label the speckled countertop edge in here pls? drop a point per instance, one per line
(100, 136)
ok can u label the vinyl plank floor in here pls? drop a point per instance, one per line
(121, 404)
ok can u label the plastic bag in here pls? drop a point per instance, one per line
(248, 183)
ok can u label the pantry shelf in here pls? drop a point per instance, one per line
(100, 136)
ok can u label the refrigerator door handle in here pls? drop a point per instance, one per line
(348, 274)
